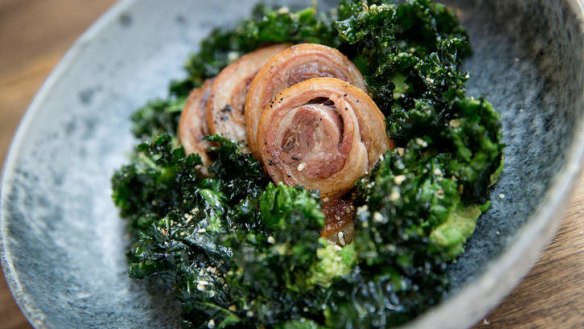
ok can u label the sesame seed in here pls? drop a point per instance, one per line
(502, 196)
(271, 240)
(341, 237)
(399, 179)
(301, 166)
(211, 324)
(421, 142)
(361, 210)
(377, 217)
(395, 195)
(232, 55)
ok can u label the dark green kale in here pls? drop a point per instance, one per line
(213, 238)
(267, 26)
(240, 252)
(408, 227)
(157, 181)
(158, 117)
(227, 170)
(288, 249)
(420, 46)
(408, 52)
(176, 216)
(281, 277)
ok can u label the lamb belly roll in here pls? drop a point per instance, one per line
(322, 134)
(192, 125)
(289, 67)
(225, 109)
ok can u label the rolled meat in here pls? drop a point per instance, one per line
(322, 134)
(291, 66)
(192, 125)
(225, 109)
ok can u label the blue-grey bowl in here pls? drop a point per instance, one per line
(63, 244)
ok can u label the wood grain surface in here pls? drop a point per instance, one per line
(34, 35)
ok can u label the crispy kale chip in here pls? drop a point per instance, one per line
(157, 118)
(281, 278)
(420, 46)
(269, 280)
(267, 26)
(213, 238)
(157, 182)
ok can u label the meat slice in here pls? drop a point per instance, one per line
(225, 109)
(323, 134)
(293, 65)
(192, 125)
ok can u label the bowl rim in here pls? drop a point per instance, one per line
(501, 275)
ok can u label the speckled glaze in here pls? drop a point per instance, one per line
(63, 245)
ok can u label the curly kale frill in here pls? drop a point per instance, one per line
(214, 238)
(412, 55)
(221, 47)
(267, 26)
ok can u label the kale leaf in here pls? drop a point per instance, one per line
(157, 118)
(267, 26)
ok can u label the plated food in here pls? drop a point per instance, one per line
(323, 172)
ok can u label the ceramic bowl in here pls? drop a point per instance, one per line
(63, 244)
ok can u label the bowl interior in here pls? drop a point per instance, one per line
(63, 242)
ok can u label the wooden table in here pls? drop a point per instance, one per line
(34, 35)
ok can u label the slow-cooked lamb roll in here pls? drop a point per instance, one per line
(192, 125)
(291, 66)
(225, 109)
(322, 134)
